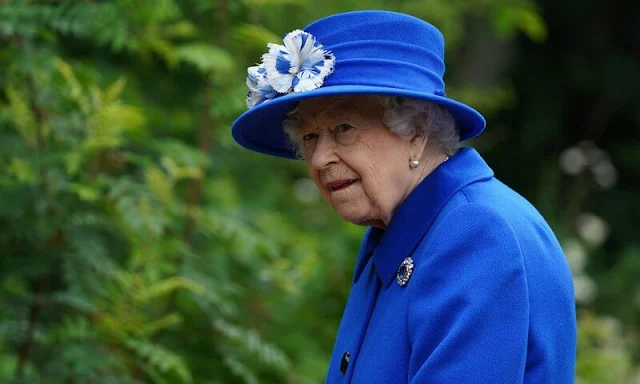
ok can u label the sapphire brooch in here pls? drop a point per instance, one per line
(404, 272)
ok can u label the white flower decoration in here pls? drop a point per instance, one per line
(259, 87)
(300, 65)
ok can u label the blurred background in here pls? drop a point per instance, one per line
(140, 244)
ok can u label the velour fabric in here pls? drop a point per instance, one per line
(490, 299)
(376, 52)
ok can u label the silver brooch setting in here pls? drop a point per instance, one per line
(404, 272)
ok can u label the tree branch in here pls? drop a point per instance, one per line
(205, 125)
(43, 281)
(34, 316)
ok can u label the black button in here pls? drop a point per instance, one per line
(344, 364)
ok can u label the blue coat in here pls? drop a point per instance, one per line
(489, 300)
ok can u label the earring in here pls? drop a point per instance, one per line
(414, 163)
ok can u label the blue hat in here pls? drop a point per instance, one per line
(362, 52)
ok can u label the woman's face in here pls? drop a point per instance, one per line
(359, 166)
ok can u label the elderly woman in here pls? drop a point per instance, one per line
(459, 279)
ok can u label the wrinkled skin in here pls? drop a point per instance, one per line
(360, 167)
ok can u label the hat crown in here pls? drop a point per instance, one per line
(378, 26)
(368, 45)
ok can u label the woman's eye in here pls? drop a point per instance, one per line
(340, 128)
(309, 136)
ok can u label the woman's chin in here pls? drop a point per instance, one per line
(352, 217)
(361, 219)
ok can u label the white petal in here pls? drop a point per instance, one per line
(307, 84)
(293, 41)
(252, 99)
(270, 58)
(328, 67)
(253, 78)
(309, 46)
(315, 55)
(281, 83)
(293, 44)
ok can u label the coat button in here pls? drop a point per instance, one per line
(344, 364)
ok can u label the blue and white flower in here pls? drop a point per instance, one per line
(259, 87)
(300, 65)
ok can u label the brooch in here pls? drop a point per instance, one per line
(404, 272)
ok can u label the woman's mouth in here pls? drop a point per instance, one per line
(339, 185)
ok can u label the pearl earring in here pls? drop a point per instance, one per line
(414, 163)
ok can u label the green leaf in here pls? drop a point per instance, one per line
(508, 19)
(263, 3)
(77, 93)
(207, 58)
(161, 358)
(153, 327)
(167, 286)
(180, 29)
(85, 192)
(19, 112)
(254, 36)
(159, 184)
(23, 171)
(112, 93)
(241, 370)
(250, 340)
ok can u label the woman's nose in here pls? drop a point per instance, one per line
(325, 152)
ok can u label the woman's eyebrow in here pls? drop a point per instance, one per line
(318, 119)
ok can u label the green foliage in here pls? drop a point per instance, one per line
(206, 58)
(603, 355)
(139, 245)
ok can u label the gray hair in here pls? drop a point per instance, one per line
(406, 117)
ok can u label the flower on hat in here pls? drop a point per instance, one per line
(259, 87)
(300, 65)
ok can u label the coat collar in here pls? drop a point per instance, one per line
(416, 214)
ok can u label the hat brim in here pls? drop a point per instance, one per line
(260, 128)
